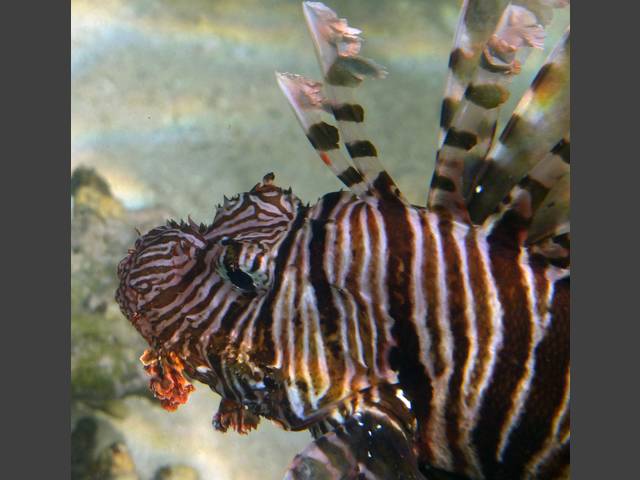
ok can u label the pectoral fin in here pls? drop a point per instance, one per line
(232, 414)
(368, 445)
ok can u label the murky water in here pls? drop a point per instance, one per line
(175, 104)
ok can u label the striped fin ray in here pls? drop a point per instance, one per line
(472, 128)
(549, 233)
(310, 108)
(477, 21)
(538, 206)
(551, 218)
(337, 46)
(541, 118)
(476, 25)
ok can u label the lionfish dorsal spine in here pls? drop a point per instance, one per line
(311, 108)
(539, 122)
(476, 23)
(471, 131)
(337, 47)
(539, 203)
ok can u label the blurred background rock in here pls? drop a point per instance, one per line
(174, 104)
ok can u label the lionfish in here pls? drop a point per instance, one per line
(411, 342)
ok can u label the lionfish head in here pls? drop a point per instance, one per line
(183, 281)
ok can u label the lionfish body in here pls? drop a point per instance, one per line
(410, 341)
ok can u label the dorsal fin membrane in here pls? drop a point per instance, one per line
(311, 109)
(527, 196)
(541, 118)
(556, 248)
(552, 212)
(538, 206)
(337, 47)
(472, 128)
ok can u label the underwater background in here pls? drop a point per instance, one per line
(174, 104)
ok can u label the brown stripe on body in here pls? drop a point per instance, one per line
(316, 356)
(298, 320)
(374, 238)
(305, 321)
(353, 283)
(434, 355)
(430, 286)
(404, 358)
(327, 311)
(547, 390)
(288, 296)
(510, 367)
(458, 322)
(317, 273)
(483, 311)
(350, 304)
(263, 336)
(352, 318)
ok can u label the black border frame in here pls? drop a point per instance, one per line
(35, 240)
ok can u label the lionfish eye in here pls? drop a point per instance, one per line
(242, 280)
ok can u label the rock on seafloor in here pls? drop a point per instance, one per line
(104, 346)
(114, 463)
(176, 472)
(158, 442)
